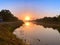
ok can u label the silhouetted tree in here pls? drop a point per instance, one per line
(7, 15)
(58, 18)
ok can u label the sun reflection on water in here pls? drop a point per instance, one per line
(34, 34)
(27, 23)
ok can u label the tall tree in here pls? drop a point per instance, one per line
(7, 15)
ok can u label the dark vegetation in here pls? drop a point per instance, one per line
(6, 15)
(8, 22)
(6, 34)
(50, 22)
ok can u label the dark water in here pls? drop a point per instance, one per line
(37, 34)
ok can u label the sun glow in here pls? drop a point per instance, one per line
(27, 18)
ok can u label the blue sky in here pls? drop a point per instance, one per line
(40, 7)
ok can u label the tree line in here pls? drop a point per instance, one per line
(49, 19)
(6, 15)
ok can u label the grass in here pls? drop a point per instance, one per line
(6, 35)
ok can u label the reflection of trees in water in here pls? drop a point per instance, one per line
(50, 22)
(49, 26)
(58, 28)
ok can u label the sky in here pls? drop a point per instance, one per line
(35, 8)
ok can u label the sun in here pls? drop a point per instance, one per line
(27, 18)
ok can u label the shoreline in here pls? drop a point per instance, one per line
(6, 35)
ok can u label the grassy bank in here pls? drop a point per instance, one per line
(11, 25)
(6, 35)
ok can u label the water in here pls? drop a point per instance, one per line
(37, 34)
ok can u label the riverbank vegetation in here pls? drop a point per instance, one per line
(8, 23)
(49, 22)
(6, 34)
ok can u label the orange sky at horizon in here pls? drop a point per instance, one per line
(33, 15)
(21, 14)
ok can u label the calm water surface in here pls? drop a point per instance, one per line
(37, 35)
